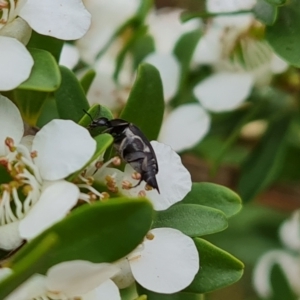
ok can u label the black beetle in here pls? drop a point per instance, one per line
(133, 147)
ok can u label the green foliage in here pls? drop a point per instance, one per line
(30, 104)
(191, 219)
(48, 43)
(145, 105)
(183, 51)
(217, 268)
(280, 285)
(265, 12)
(264, 164)
(87, 80)
(70, 97)
(143, 46)
(176, 296)
(45, 74)
(215, 196)
(283, 36)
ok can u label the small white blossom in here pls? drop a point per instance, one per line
(289, 264)
(289, 232)
(288, 260)
(174, 180)
(184, 126)
(107, 17)
(37, 196)
(241, 59)
(64, 20)
(166, 262)
(70, 280)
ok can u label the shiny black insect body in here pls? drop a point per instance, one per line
(133, 147)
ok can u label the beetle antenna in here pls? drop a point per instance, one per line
(88, 114)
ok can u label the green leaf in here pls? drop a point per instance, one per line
(96, 111)
(265, 12)
(145, 105)
(283, 36)
(191, 219)
(143, 46)
(49, 112)
(276, 2)
(215, 196)
(87, 80)
(70, 97)
(27, 267)
(103, 141)
(264, 164)
(100, 232)
(30, 104)
(48, 43)
(176, 296)
(280, 285)
(139, 32)
(218, 268)
(183, 51)
(45, 75)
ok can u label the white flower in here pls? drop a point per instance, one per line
(184, 127)
(36, 196)
(69, 56)
(169, 71)
(290, 265)
(174, 180)
(71, 280)
(64, 20)
(166, 28)
(104, 90)
(241, 59)
(107, 16)
(289, 232)
(166, 262)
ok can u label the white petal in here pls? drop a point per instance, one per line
(241, 21)
(290, 232)
(107, 290)
(174, 180)
(66, 20)
(209, 48)
(124, 278)
(27, 142)
(75, 278)
(184, 127)
(15, 63)
(278, 65)
(11, 123)
(9, 236)
(169, 70)
(69, 56)
(18, 29)
(166, 28)
(63, 147)
(54, 203)
(262, 271)
(107, 16)
(32, 288)
(224, 91)
(168, 263)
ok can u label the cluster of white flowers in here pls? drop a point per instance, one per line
(288, 259)
(67, 20)
(37, 195)
(240, 59)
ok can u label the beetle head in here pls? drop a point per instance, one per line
(100, 122)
